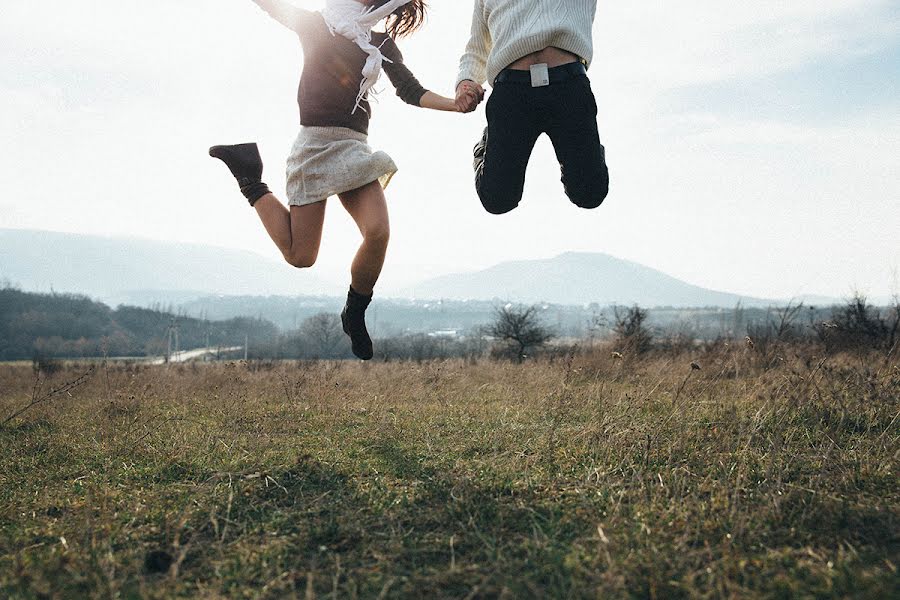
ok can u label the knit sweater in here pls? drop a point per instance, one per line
(503, 31)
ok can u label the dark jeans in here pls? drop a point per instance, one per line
(517, 115)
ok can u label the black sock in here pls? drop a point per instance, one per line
(361, 298)
(254, 191)
(245, 163)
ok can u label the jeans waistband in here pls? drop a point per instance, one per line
(557, 74)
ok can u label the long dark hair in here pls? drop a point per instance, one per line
(406, 19)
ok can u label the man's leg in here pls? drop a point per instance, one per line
(573, 131)
(501, 157)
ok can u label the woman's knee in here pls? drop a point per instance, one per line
(379, 233)
(303, 259)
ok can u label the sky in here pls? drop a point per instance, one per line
(752, 146)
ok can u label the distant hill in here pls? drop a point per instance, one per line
(576, 278)
(65, 325)
(122, 270)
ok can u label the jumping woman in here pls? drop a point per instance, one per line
(343, 59)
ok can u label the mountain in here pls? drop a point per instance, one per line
(119, 269)
(576, 278)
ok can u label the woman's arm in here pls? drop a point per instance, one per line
(287, 14)
(408, 87)
(437, 102)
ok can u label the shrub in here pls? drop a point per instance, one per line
(520, 328)
(630, 327)
(859, 326)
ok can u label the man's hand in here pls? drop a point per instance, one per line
(468, 96)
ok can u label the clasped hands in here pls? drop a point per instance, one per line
(468, 96)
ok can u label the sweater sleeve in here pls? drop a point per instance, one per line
(473, 64)
(408, 87)
(295, 19)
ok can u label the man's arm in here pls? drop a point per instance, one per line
(473, 64)
(287, 14)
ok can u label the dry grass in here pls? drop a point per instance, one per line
(591, 477)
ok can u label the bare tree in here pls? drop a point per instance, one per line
(323, 331)
(520, 327)
(597, 322)
(631, 329)
(893, 314)
(783, 325)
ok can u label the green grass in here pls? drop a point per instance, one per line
(577, 478)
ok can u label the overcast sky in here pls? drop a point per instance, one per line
(752, 146)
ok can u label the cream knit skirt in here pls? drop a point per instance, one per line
(327, 161)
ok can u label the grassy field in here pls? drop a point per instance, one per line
(584, 477)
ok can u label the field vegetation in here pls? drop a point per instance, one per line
(715, 472)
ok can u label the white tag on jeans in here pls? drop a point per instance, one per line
(540, 75)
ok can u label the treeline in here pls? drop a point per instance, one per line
(71, 326)
(51, 326)
(321, 337)
(855, 326)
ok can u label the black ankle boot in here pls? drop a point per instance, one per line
(353, 318)
(245, 163)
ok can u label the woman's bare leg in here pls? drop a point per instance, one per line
(297, 232)
(368, 208)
